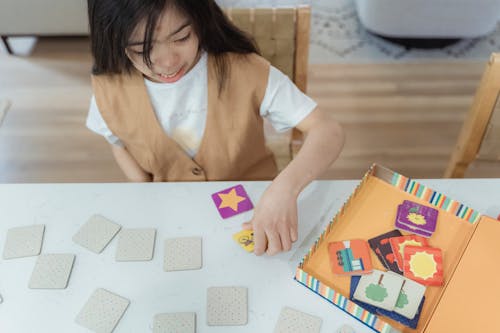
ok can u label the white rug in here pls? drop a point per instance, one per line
(337, 36)
(4, 106)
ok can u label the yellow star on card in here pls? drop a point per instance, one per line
(231, 200)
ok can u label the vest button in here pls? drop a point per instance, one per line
(196, 171)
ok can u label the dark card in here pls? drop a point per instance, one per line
(382, 248)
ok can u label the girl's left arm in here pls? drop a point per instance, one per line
(275, 218)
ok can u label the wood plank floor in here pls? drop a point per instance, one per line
(404, 116)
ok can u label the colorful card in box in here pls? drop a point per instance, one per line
(424, 265)
(232, 201)
(382, 248)
(410, 297)
(380, 289)
(350, 257)
(415, 218)
(412, 323)
(398, 245)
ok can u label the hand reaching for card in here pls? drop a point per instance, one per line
(274, 222)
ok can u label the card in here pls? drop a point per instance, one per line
(390, 314)
(294, 321)
(351, 257)
(382, 248)
(96, 233)
(135, 244)
(102, 312)
(398, 245)
(182, 254)
(409, 299)
(180, 322)
(379, 289)
(424, 265)
(23, 242)
(227, 306)
(245, 239)
(232, 201)
(416, 218)
(52, 271)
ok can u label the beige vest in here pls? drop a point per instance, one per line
(233, 145)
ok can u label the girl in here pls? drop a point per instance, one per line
(180, 93)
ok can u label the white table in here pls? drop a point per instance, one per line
(176, 210)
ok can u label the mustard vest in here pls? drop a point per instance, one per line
(233, 144)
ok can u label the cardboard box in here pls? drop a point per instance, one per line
(469, 299)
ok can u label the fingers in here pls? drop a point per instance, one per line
(260, 241)
(272, 241)
(286, 240)
(294, 233)
(274, 245)
(247, 226)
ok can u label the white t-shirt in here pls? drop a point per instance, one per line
(181, 107)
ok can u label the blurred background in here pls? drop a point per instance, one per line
(400, 75)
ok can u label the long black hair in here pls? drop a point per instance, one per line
(112, 22)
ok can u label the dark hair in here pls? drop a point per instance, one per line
(113, 21)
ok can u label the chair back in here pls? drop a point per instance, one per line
(480, 135)
(282, 35)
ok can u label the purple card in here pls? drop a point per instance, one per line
(416, 218)
(232, 201)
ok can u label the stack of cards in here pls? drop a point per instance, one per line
(398, 245)
(382, 248)
(424, 265)
(389, 294)
(351, 257)
(415, 218)
(410, 294)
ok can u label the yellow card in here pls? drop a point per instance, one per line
(245, 239)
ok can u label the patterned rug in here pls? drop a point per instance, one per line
(337, 36)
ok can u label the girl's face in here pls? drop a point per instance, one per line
(175, 48)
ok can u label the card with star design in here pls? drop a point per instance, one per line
(232, 201)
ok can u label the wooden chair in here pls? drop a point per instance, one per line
(480, 135)
(282, 35)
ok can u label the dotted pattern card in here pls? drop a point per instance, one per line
(227, 306)
(102, 312)
(135, 244)
(96, 233)
(182, 254)
(181, 322)
(23, 242)
(52, 271)
(294, 321)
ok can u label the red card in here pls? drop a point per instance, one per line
(350, 257)
(424, 265)
(399, 243)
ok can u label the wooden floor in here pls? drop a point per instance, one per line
(404, 116)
